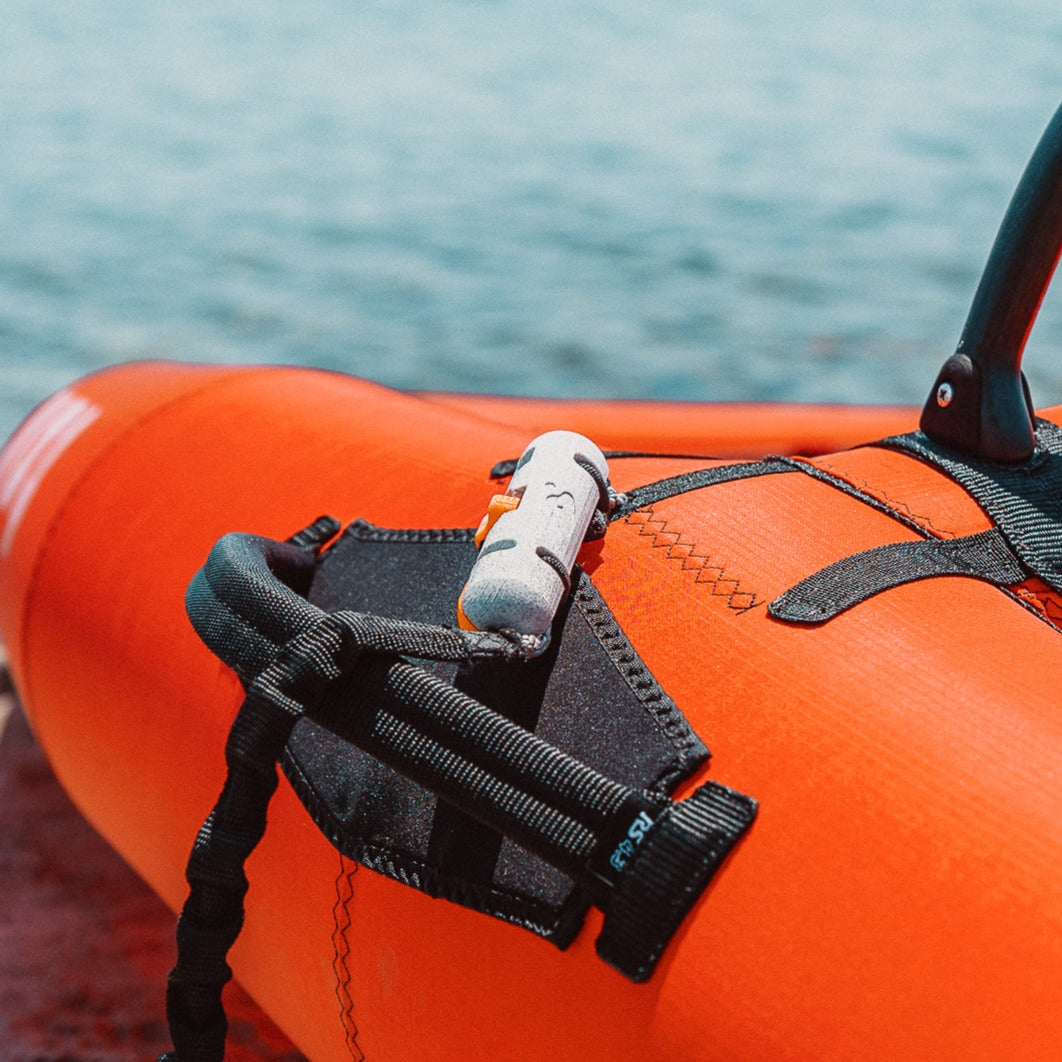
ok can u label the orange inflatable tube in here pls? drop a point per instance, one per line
(732, 429)
(898, 896)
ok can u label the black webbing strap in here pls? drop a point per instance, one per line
(854, 579)
(639, 497)
(504, 469)
(650, 493)
(641, 858)
(547, 801)
(1024, 500)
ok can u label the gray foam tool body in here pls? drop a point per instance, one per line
(516, 581)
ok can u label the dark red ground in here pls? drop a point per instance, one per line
(84, 945)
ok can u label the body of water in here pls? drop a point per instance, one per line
(765, 200)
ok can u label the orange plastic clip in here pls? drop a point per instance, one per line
(499, 504)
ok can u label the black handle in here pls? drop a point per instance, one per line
(980, 402)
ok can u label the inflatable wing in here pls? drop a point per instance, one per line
(486, 844)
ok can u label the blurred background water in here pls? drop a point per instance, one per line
(773, 199)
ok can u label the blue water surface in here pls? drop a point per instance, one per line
(764, 200)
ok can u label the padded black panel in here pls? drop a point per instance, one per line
(589, 695)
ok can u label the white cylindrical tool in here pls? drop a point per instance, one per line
(531, 535)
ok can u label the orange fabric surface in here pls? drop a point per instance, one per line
(720, 429)
(899, 896)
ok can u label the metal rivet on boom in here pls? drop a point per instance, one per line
(945, 393)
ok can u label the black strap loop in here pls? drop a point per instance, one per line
(854, 579)
(651, 493)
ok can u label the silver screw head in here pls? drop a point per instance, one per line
(945, 393)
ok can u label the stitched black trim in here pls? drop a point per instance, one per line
(692, 752)
(363, 531)
(313, 537)
(841, 484)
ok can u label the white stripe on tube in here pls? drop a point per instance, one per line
(33, 450)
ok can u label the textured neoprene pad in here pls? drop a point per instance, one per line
(589, 695)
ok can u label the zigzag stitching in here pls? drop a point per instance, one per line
(1045, 603)
(341, 953)
(700, 564)
(883, 496)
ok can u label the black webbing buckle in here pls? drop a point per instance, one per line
(667, 870)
